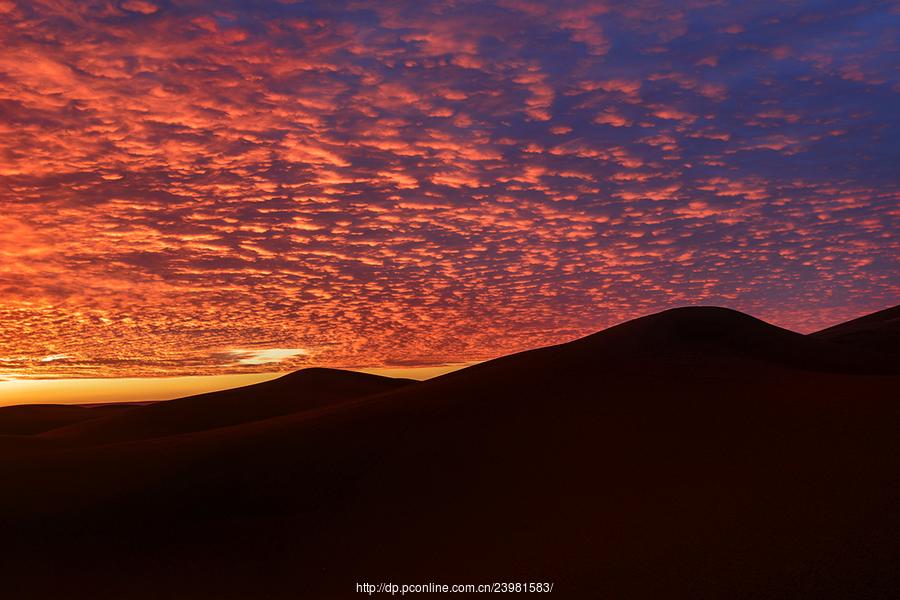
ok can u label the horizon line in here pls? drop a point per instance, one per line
(111, 390)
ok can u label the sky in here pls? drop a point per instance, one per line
(104, 390)
(195, 188)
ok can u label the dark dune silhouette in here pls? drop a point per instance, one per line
(694, 453)
(879, 332)
(36, 418)
(303, 390)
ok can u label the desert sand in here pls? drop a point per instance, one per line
(695, 453)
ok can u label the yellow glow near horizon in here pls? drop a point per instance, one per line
(141, 389)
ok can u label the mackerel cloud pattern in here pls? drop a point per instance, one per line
(189, 187)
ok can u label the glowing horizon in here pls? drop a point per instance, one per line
(233, 188)
(15, 392)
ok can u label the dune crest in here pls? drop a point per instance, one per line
(698, 452)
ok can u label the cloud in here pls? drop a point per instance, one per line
(140, 6)
(429, 183)
(54, 357)
(266, 356)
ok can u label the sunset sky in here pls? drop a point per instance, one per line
(193, 187)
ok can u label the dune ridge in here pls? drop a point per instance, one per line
(698, 452)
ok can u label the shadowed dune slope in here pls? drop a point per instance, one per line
(299, 391)
(878, 332)
(704, 342)
(28, 419)
(694, 453)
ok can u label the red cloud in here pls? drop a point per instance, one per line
(420, 183)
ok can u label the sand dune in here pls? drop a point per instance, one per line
(878, 332)
(694, 453)
(300, 391)
(36, 418)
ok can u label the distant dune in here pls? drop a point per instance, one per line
(36, 418)
(301, 391)
(879, 332)
(695, 453)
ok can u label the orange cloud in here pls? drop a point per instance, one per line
(186, 187)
